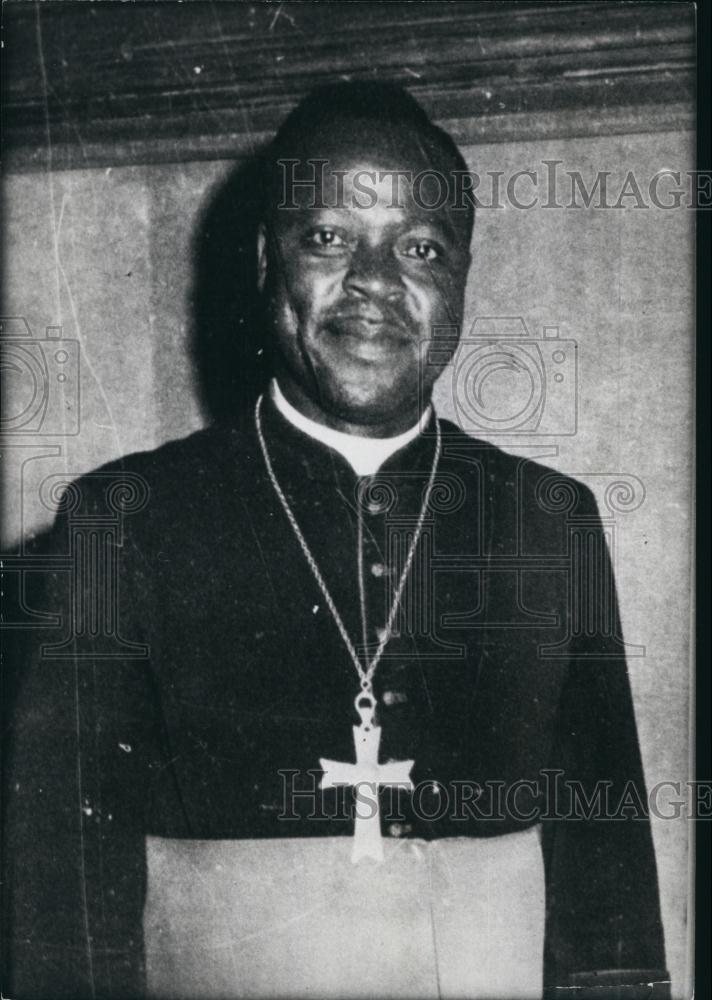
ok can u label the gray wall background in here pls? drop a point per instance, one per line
(106, 254)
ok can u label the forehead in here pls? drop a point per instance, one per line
(385, 175)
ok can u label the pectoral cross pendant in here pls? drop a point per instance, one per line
(366, 776)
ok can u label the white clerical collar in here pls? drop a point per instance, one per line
(365, 455)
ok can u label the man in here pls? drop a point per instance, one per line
(370, 682)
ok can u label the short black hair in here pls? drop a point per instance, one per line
(387, 106)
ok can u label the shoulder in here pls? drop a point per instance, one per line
(176, 477)
(506, 475)
(201, 450)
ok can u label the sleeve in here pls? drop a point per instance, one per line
(81, 742)
(604, 935)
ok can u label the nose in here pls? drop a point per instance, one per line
(374, 274)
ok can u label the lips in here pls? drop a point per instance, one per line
(368, 326)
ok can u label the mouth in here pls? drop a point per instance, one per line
(369, 335)
(368, 340)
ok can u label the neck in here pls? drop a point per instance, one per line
(364, 454)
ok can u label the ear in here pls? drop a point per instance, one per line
(261, 256)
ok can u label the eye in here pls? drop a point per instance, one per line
(324, 238)
(424, 250)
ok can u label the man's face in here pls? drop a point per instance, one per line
(354, 291)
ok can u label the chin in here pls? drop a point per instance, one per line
(373, 408)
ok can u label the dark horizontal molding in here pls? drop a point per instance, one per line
(236, 145)
(108, 83)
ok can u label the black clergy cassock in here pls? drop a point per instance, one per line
(194, 661)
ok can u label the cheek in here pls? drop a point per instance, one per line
(436, 301)
(311, 293)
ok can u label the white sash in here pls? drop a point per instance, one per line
(457, 917)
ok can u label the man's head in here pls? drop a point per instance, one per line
(363, 254)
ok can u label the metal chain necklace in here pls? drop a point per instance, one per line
(365, 675)
(366, 772)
